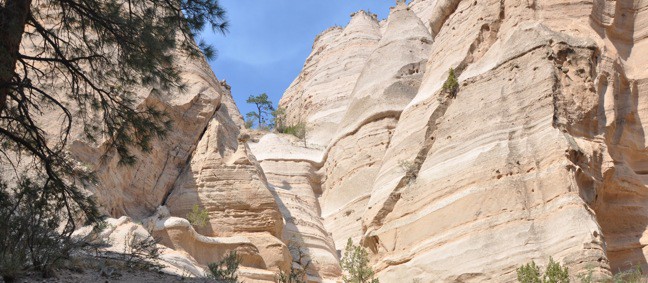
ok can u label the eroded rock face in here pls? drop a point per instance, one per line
(294, 181)
(320, 95)
(225, 180)
(205, 162)
(540, 153)
(136, 191)
(386, 85)
(510, 192)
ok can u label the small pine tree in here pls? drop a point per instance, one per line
(355, 263)
(555, 273)
(226, 269)
(529, 273)
(279, 119)
(198, 216)
(451, 84)
(264, 108)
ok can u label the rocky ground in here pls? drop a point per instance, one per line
(101, 271)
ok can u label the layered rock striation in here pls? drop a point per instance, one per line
(292, 174)
(319, 96)
(204, 162)
(539, 153)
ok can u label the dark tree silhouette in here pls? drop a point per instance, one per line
(85, 59)
(263, 105)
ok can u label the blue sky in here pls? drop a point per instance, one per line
(269, 40)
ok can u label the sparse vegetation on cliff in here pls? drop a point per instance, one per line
(632, 275)
(279, 119)
(298, 130)
(409, 168)
(355, 264)
(198, 216)
(451, 84)
(225, 270)
(554, 273)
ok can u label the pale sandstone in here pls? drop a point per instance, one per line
(383, 89)
(201, 162)
(224, 179)
(292, 174)
(511, 186)
(320, 95)
(541, 154)
(138, 190)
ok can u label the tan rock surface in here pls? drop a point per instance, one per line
(224, 179)
(503, 190)
(319, 97)
(542, 152)
(292, 174)
(138, 190)
(201, 162)
(617, 191)
(386, 85)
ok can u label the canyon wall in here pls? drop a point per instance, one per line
(204, 162)
(540, 153)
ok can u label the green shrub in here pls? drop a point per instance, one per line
(28, 231)
(279, 119)
(555, 273)
(298, 130)
(141, 253)
(226, 269)
(249, 123)
(629, 276)
(198, 216)
(355, 263)
(587, 277)
(529, 273)
(451, 84)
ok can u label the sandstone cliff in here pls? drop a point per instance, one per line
(542, 152)
(329, 76)
(204, 162)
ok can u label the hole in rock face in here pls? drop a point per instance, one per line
(586, 187)
(485, 27)
(371, 243)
